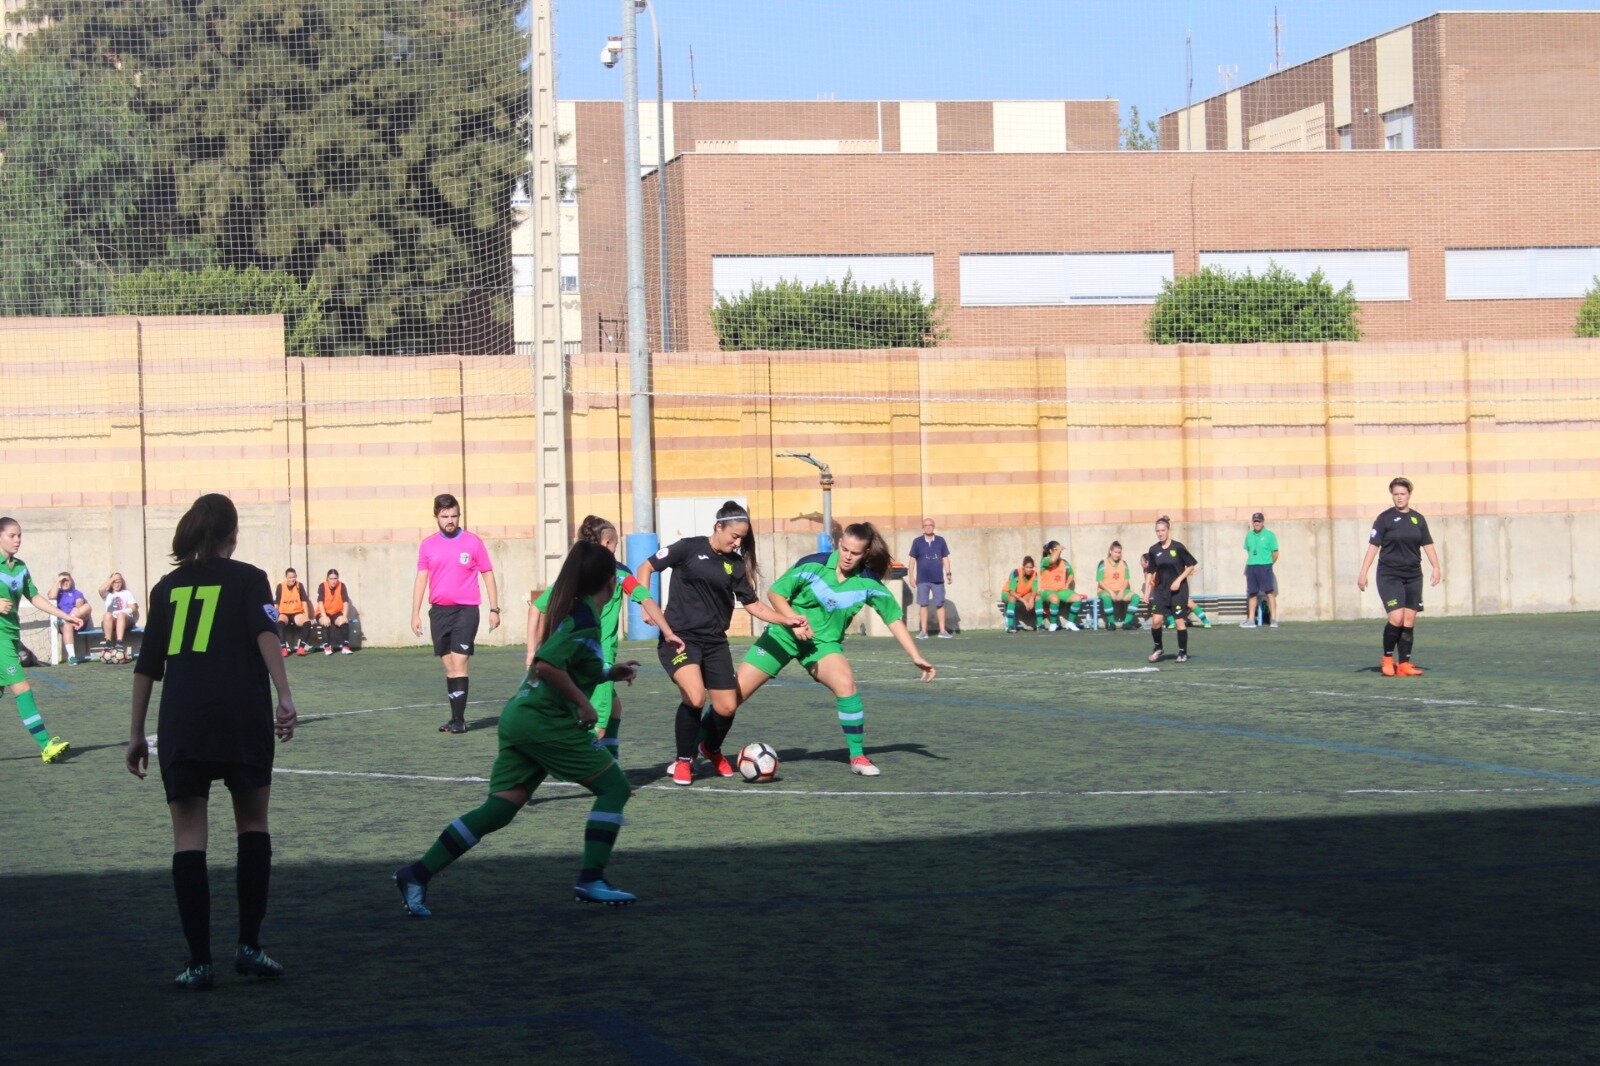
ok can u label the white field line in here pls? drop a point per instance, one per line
(762, 790)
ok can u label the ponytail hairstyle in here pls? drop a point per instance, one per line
(1044, 553)
(729, 513)
(595, 529)
(875, 557)
(206, 529)
(1114, 546)
(587, 569)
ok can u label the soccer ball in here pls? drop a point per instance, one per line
(758, 762)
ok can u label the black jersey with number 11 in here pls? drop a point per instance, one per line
(200, 643)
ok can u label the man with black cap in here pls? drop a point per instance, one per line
(1261, 551)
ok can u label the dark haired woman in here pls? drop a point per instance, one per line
(211, 639)
(709, 573)
(16, 585)
(607, 705)
(828, 591)
(1399, 537)
(544, 732)
(1167, 585)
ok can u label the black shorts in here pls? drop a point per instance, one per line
(188, 779)
(1400, 593)
(1164, 601)
(713, 657)
(455, 629)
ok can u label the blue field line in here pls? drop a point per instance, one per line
(631, 1038)
(1345, 747)
(39, 675)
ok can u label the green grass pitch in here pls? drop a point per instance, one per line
(1268, 854)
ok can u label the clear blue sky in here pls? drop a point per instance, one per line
(968, 49)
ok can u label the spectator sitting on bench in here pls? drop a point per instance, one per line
(333, 613)
(122, 615)
(1058, 589)
(1119, 602)
(79, 610)
(1020, 595)
(293, 614)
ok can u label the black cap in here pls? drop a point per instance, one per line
(1258, 517)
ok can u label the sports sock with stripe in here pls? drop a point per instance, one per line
(253, 875)
(32, 720)
(853, 720)
(611, 794)
(1011, 614)
(460, 835)
(193, 889)
(612, 741)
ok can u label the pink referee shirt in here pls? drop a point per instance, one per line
(453, 565)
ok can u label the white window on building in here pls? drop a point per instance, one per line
(567, 182)
(1054, 279)
(522, 275)
(1376, 274)
(1519, 273)
(1399, 129)
(1347, 139)
(734, 275)
(569, 274)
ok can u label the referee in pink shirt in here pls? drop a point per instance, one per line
(448, 565)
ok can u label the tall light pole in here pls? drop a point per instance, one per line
(642, 540)
(609, 57)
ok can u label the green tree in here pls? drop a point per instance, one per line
(1140, 136)
(76, 162)
(791, 316)
(1218, 307)
(365, 147)
(224, 291)
(1589, 312)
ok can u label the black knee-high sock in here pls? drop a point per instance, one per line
(1155, 635)
(1183, 642)
(190, 885)
(283, 631)
(1391, 637)
(716, 729)
(1407, 636)
(255, 871)
(456, 688)
(342, 633)
(687, 730)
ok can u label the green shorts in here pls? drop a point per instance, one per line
(10, 662)
(534, 745)
(777, 648)
(603, 699)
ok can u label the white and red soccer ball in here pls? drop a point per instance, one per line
(758, 762)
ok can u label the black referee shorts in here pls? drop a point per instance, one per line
(713, 657)
(189, 779)
(455, 628)
(1400, 593)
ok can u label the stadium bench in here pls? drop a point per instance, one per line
(1217, 605)
(85, 640)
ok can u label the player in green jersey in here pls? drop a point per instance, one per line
(544, 731)
(608, 726)
(828, 591)
(16, 585)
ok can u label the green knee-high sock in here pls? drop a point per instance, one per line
(611, 794)
(612, 741)
(28, 711)
(1074, 609)
(1011, 614)
(1200, 613)
(853, 720)
(1055, 609)
(460, 835)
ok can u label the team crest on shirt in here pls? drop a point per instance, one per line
(272, 612)
(727, 568)
(466, 558)
(662, 554)
(1413, 519)
(1172, 552)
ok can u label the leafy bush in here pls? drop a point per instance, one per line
(1219, 307)
(1589, 312)
(790, 315)
(224, 291)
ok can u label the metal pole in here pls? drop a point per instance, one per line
(661, 187)
(641, 543)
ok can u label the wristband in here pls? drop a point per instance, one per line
(494, 610)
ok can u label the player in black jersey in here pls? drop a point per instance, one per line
(1399, 537)
(708, 574)
(1167, 587)
(211, 638)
